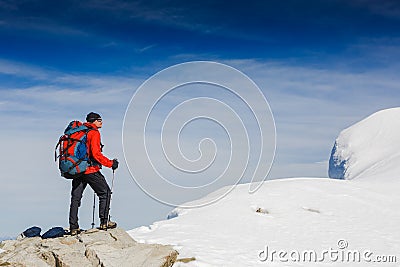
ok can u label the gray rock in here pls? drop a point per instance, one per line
(110, 248)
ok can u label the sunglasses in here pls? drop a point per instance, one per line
(99, 120)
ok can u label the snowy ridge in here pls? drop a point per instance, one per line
(369, 147)
(301, 214)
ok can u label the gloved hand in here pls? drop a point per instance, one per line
(115, 164)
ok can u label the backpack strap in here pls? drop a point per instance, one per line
(55, 150)
(75, 164)
(91, 161)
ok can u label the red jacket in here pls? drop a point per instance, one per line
(94, 149)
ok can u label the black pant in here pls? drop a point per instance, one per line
(99, 184)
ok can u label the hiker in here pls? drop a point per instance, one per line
(93, 177)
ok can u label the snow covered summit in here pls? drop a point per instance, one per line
(370, 147)
(303, 221)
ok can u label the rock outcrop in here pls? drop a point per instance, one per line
(91, 248)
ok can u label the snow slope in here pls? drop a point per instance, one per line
(302, 215)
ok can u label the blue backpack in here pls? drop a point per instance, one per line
(54, 232)
(73, 156)
(32, 232)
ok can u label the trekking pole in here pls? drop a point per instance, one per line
(94, 208)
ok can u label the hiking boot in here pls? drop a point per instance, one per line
(75, 231)
(107, 225)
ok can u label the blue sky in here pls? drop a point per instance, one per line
(124, 35)
(322, 65)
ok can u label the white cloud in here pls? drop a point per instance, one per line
(23, 70)
(48, 94)
(143, 49)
